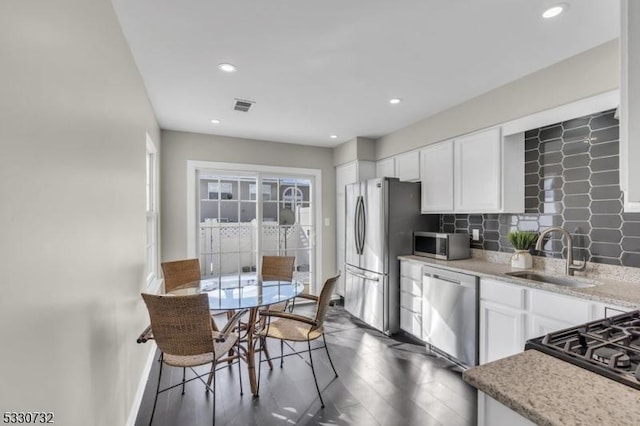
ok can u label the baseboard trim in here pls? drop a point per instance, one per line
(142, 384)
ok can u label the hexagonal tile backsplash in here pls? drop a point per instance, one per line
(572, 181)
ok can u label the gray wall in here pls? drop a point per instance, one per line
(73, 117)
(179, 147)
(589, 73)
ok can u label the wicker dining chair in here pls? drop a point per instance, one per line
(182, 331)
(179, 272)
(291, 327)
(277, 268)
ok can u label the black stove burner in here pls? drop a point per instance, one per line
(610, 347)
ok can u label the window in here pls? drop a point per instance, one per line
(152, 213)
(242, 215)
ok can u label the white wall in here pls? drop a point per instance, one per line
(73, 117)
(180, 147)
(586, 74)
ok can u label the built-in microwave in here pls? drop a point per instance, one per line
(445, 246)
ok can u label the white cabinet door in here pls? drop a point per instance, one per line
(436, 176)
(541, 326)
(606, 310)
(630, 104)
(408, 166)
(502, 331)
(386, 167)
(494, 413)
(477, 171)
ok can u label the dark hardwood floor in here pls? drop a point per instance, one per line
(382, 381)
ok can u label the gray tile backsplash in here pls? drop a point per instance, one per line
(571, 180)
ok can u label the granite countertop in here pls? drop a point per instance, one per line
(552, 392)
(617, 292)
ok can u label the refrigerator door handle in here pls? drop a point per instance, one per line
(364, 277)
(363, 219)
(358, 226)
(356, 234)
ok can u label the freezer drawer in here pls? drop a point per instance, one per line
(366, 298)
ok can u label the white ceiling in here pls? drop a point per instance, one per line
(317, 68)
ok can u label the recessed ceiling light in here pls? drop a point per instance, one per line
(334, 136)
(554, 11)
(215, 121)
(395, 101)
(227, 67)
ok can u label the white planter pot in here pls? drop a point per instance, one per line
(521, 259)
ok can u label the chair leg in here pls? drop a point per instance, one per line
(313, 370)
(213, 388)
(329, 356)
(155, 401)
(239, 359)
(281, 353)
(263, 347)
(184, 376)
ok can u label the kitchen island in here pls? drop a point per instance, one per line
(551, 392)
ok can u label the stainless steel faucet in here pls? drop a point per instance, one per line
(571, 268)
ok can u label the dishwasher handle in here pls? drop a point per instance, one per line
(449, 280)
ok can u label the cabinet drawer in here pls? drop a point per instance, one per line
(411, 302)
(411, 322)
(411, 270)
(505, 294)
(411, 286)
(568, 309)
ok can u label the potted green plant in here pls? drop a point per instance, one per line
(522, 241)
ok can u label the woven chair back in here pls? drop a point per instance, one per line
(181, 324)
(179, 272)
(324, 299)
(277, 267)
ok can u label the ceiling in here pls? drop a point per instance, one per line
(321, 68)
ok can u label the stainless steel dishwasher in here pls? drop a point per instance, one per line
(450, 313)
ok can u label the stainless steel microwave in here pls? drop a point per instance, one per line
(445, 246)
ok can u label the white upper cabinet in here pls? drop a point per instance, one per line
(477, 168)
(630, 104)
(489, 173)
(407, 166)
(386, 167)
(478, 173)
(436, 175)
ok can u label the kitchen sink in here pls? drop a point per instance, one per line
(566, 282)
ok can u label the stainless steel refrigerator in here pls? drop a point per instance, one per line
(381, 216)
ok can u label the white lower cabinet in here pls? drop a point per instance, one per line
(502, 331)
(511, 314)
(540, 325)
(494, 413)
(606, 310)
(411, 298)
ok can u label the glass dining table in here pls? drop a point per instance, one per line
(250, 293)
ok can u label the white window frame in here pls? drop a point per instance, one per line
(152, 216)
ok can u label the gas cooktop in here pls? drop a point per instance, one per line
(610, 347)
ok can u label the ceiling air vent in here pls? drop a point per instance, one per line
(242, 105)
